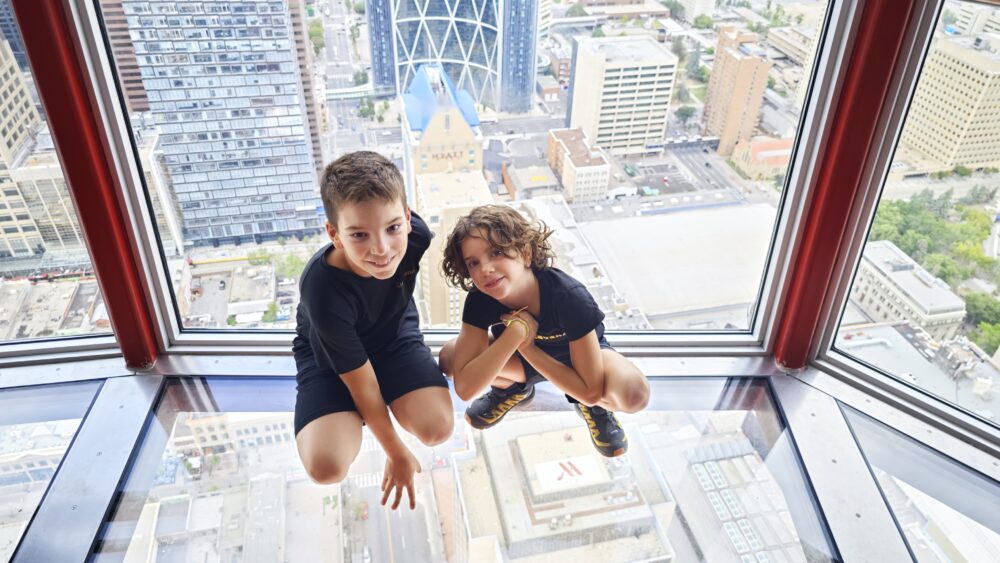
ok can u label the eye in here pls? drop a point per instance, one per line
(358, 236)
(496, 253)
(393, 229)
(471, 264)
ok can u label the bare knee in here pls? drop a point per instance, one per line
(636, 394)
(326, 470)
(445, 357)
(437, 432)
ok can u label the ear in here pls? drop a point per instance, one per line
(331, 232)
(409, 224)
(526, 256)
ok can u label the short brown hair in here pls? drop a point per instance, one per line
(359, 177)
(505, 229)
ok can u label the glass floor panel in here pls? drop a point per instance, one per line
(37, 425)
(945, 510)
(711, 475)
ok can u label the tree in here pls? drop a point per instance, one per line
(978, 195)
(982, 307)
(360, 77)
(316, 35)
(271, 314)
(231, 320)
(675, 7)
(259, 257)
(770, 82)
(359, 8)
(701, 21)
(694, 63)
(962, 171)
(684, 114)
(681, 93)
(598, 32)
(987, 337)
(576, 11)
(678, 48)
(948, 17)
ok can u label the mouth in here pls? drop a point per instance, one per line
(380, 264)
(493, 284)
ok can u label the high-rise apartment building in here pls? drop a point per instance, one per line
(10, 32)
(47, 203)
(124, 56)
(304, 52)
(695, 8)
(735, 88)
(223, 83)
(19, 121)
(487, 47)
(620, 93)
(582, 169)
(544, 18)
(953, 118)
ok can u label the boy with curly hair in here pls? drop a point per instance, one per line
(525, 321)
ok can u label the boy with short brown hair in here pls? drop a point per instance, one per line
(358, 345)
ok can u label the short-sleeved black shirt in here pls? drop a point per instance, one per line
(568, 312)
(344, 318)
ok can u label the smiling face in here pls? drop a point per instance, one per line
(493, 272)
(372, 236)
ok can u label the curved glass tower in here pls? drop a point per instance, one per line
(487, 47)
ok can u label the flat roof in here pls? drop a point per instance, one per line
(931, 294)
(686, 260)
(532, 177)
(453, 189)
(580, 153)
(640, 49)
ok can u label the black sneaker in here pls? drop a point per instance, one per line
(605, 432)
(491, 407)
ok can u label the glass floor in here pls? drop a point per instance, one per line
(712, 474)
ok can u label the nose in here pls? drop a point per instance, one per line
(486, 267)
(379, 245)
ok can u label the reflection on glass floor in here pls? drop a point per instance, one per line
(36, 428)
(945, 510)
(716, 481)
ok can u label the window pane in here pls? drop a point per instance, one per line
(946, 511)
(47, 283)
(662, 184)
(924, 304)
(711, 475)
(36, 428)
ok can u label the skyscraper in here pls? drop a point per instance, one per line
(735, 88)
(124, 55)
(487, 47)
(953, 118)
(12, 33)
(620, 94)
(304, 52)
(223, 85)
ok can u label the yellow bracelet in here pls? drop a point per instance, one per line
(523, 322)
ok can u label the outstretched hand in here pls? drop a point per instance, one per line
(398, 475)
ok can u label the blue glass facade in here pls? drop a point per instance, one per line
(517, 70)
(468, 38)
(224, 89)
(380, 40)
(12, 34)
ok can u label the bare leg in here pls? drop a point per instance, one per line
(328, 446)
(625, 386)
(426, 413)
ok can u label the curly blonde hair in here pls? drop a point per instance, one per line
(504, 228)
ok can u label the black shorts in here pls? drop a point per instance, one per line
(406, 365)
(532, 375)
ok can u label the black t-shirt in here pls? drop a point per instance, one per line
(568, 312)
(344, 318)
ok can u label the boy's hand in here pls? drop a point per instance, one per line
(527, 324)
(399, 475)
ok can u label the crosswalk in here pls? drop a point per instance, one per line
(365, 480)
